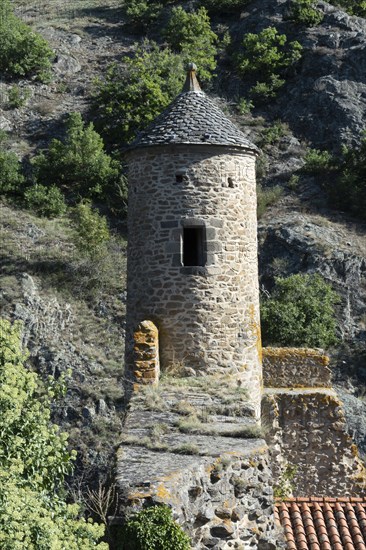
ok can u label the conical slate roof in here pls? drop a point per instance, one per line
(192, 119)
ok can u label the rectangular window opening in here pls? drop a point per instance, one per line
(193, 246)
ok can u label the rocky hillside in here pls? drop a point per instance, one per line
(72, 311)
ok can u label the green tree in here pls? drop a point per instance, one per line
(79, 165)
(353, 7)
(266, 58)
(11, 177)
(304, 12)
(300, 312)
(191, 35)
(142, 13)
(34, 460)
(348, 189)
(134, 93)
(154, 529)
(22, 51)
(91, 229)
(224, 6)
(45, 201)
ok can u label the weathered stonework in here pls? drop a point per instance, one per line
(146, 353)
(307, 428)
(207, 316)
(296, 368)
(218, 485)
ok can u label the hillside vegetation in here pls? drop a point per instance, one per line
(291, 76)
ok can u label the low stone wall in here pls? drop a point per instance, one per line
(309, 432)
(221, 503)
(295, 368)
(306, 426)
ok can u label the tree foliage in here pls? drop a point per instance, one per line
(154, 529)
(265, 58)
(22, 51)
(348, 189)
(11, 177)
(45, 201)
(224, 6)
(134, 93)
(79, 165)
(353, 7)
(91, 229)
(191, 35)
(300, 312)
(305, 13)
(34, 460)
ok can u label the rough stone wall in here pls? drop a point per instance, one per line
(208, 317)
(307, 428)
(222, 503)
(295, 368)
(146, 353)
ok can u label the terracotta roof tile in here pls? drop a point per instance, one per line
(323, 523)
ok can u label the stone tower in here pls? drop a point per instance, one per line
(192, 249)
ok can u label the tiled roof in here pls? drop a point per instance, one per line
(322, 523)
(194, 119)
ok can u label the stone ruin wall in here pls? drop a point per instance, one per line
(224, 503)
(306, 425)
(207, 317)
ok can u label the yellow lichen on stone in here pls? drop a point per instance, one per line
(146, 353)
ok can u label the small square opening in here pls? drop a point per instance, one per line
(193, 246)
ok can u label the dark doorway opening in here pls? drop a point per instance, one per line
(193, 249)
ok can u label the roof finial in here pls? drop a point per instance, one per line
(191, 83)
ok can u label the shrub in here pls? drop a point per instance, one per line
(17, 97)
(353, 7)
(22, 51)
(142, 13)
(300, 312)
(267, 197)
(266, 57)
(45, 201)
(244, 106)
(317, 161)
(11, 178)
(273, 134)
(91, 229)
(303, 12)
(79, 165)
(348, 189)
(224, 6)
(154, 529)
(190, 34)
(132, 96)
(34, 460)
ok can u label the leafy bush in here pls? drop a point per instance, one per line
(353, 7)
(267, 197)
(91, 229)
(33, 461)
(190, 34)
(154, 529)
(132, 96)
(273, 134)
(300, 312)
(11, 178)
(266, 57)
(17, 97)
(142, 13)
(348, 189)
(22, 51)
(303, 12)
(317, 161)
(79, 165)
(45, 201)
(224, 6)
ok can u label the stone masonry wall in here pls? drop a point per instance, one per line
(223, 503)
(295, 368)
(207, 317)
(306, 426)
